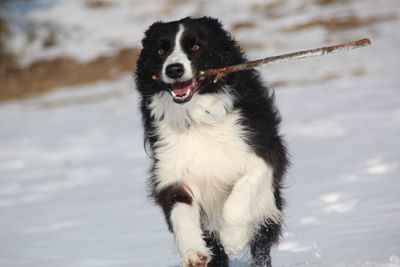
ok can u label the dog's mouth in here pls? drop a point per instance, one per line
(182, 92)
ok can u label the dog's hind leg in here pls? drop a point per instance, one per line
(220, 259)
(183, 217)
(266, 236)
(260, 245)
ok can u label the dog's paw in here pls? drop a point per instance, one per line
(234, 238)
(196, 259)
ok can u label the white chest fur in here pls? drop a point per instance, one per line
(202, 144)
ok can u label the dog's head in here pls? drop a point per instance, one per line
(173, 54)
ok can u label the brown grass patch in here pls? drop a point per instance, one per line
(45, 75)
(330, 2)
(98, 4)
(3, 27)
(359, 71)
(271, 5)
(252, 46)
(340, 23)
(241, 25)
(269, 10)
(3, 34)
(169, 5)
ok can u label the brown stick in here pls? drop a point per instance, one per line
(220, 72)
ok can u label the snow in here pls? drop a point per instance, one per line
(73, 170)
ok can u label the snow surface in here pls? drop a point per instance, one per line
(73, 169)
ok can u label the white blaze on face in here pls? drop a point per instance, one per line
(178, 56)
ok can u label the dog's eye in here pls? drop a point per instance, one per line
(195, 47)
(160, 51)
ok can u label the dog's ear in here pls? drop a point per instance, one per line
(225, 39)
(214, 26)
(150, 32)
(213, 22)
(143, 72)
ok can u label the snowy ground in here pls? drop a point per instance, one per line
(73, 170)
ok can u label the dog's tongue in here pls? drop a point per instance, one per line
(180, 89)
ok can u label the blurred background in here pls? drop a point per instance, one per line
(72, 167)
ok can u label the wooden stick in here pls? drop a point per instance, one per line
(220, 72)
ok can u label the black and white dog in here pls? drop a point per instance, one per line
(218, 158)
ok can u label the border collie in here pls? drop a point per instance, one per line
(218, 159)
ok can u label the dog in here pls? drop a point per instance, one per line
(218, 159)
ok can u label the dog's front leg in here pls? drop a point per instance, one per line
(183, 217)
(250, 203)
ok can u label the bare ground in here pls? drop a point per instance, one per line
(46, 75)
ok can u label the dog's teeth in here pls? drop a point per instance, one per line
(181, 97)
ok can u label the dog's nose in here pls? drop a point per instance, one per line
(175, 70)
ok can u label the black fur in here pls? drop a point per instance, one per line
(170, 195)
(220, 259)
(253, 99)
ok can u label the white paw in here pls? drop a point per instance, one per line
(196, 259)
(234, 238)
